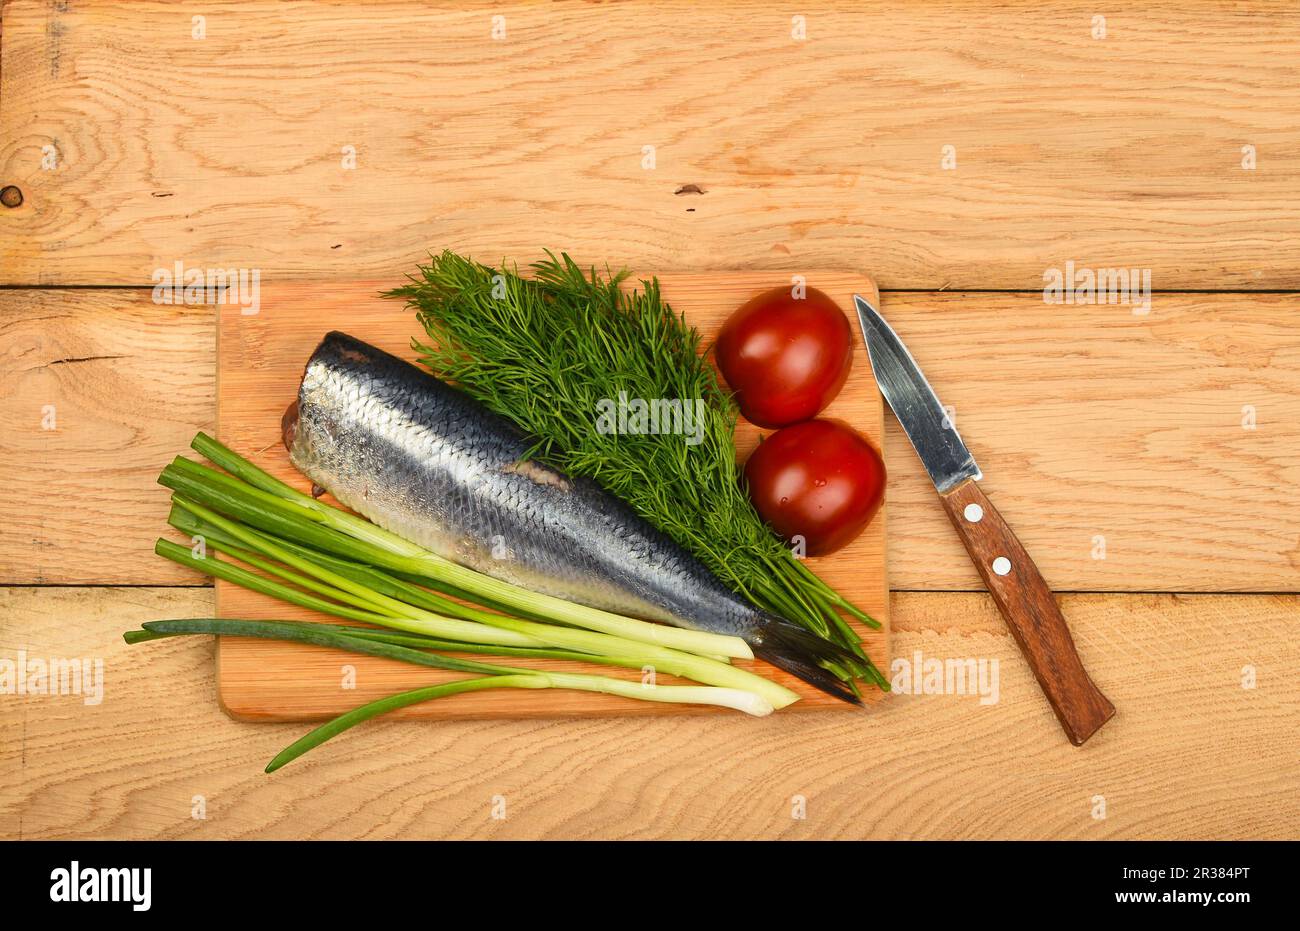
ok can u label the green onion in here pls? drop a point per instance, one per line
(322, 558)
(510, 631)
(452, 630)
(672, 693)
(323, 635)
(372, 607)
(268, 498)
(320, 635)
(333, 728)
(415, 641)
(501, 676)
(382, 582)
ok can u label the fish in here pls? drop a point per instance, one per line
(424, 460)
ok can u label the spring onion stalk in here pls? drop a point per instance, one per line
(394, 613)
(510, 596)
(294, 578)
(188, 477)
(382, 582)
(609, 650)
(446, 628)
(468, 581)
(325, 636)
(672, 693)
(315, 738)
(385, 583)
(287, 535)
(220, 569)
(390, 612)
(504, 676)
(415, 641)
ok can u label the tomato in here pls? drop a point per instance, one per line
(818, 479)
(785, 358)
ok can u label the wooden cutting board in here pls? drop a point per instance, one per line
(260, 359)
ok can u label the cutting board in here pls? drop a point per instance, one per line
(260, 359)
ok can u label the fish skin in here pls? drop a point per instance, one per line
(429, 463)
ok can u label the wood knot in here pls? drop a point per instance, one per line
(11, 196)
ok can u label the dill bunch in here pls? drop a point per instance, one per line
(547, 350)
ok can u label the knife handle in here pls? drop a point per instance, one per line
(1030, 611)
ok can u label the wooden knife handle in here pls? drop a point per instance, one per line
(1030, 611)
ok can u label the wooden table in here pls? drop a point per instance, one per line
(958, 151)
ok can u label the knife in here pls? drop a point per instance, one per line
(1023, 598)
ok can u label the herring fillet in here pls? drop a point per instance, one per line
(432, 465)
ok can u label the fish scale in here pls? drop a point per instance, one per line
(429, 463)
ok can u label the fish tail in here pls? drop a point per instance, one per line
(798, 651)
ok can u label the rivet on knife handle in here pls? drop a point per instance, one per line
(1030, 610)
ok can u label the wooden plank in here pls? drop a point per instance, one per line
(1130, 453)
(99, 389)
(1098, 423)
(1191, 754)
(260, 360)
(825, 152)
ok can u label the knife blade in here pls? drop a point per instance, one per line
(1018, 588)
(926, 422)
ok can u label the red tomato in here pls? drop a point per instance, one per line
(785, 359)
(819, 480)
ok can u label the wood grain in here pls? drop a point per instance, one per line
(98, 391)
(825, 152)
(260, 360)
(1130, 453)
(1099, 432)
(1192, 754)
(1030, 610)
